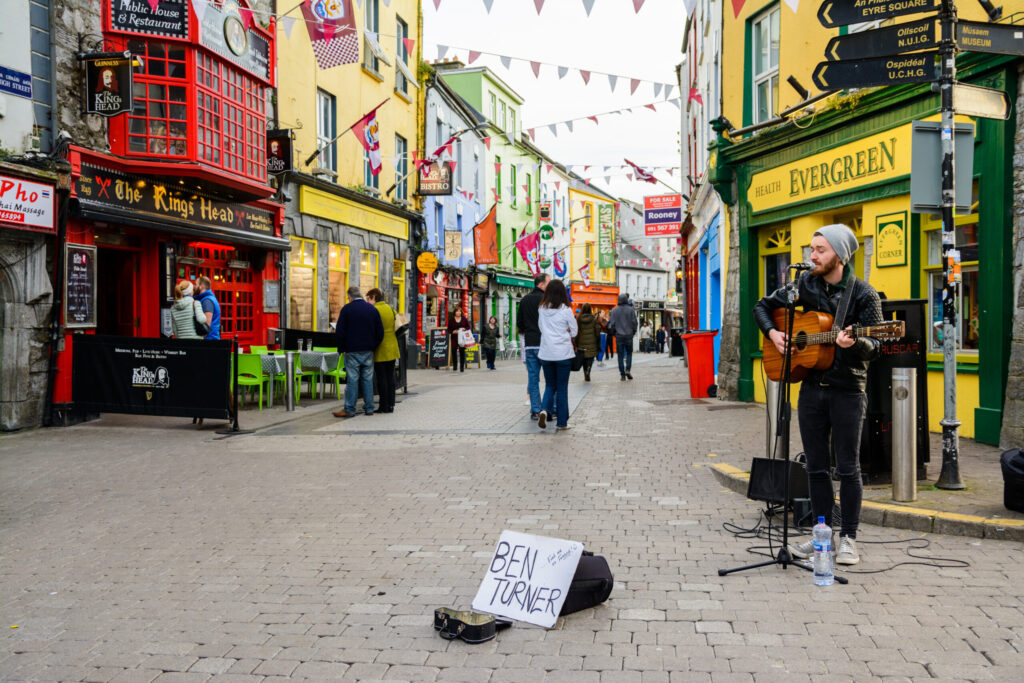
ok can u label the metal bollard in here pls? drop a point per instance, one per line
(289, 380)
(904, 431)
(772, 399)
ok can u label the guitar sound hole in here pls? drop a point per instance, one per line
(800, 340)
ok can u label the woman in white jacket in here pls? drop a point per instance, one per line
(557, 329)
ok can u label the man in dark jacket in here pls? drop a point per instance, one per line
(622, 321)
(528, 326)
(832, 400)
(359, 330)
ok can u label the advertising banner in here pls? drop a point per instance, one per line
(663, 215)
(142, 376)
(605, 236)
(24, 204)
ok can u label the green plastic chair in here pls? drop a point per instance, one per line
(261, 350)
(250, 374)
(338, 374)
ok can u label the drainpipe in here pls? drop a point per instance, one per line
(63, 201)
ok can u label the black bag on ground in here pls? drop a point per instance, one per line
(1012, 462)
(591, 584)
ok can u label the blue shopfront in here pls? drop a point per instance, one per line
(711, 282)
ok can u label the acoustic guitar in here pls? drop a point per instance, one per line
(811, 345)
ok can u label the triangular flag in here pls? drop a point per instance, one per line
(607, 180)
(496, 194)
(691, 4)
(536, 68)
(153, 4)
(562, 70)
(588, 5)
(487, 5)
(793, 4)
(737, 5)
(554, 129)
(497, 168)
(473, 56)
(558, 186)
(586, 76)
(287, 23)
(657, 89)
(548, 167)
(529, 131)
(586, 168)
(442, 50)
(637, 4)
(199, 7)
(630, 177)
(668, 90)
(526, 188)
(506, 61)
(669, 172)
(593, 118)
(695, 95)
(612, 80)
(568, 124)
(586, 180)
(244, 13)
(539, 4)
(453, 163)
(437, 4)
(409, 43)
(674, 102)
(487, 143)
(633, 83)
(651, 107)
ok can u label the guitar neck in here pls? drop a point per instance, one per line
(829, 337)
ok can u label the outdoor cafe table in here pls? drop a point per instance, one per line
(317, 361)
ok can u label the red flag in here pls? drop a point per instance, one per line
(473, 56)
(586, 76)
(332, 31)
(633, 83)
(528, 247)
(409, 43)
(536, 68)
(695, 95)
(487, 143)
(641, 174)
(585, 274)
(485, 238)
(368, 134)
(593, 118)
(548, 167)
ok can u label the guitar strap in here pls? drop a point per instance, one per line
(844, 305)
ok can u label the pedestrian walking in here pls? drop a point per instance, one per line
(557, 329)
(602, 328)
(646, 336)
(588, 339)
(211, 307)
(359, 330)
(456, 323)
(489, 341)
(623, 322)
(660, 339)
(528, 326)
(186, 313)
(386, 353)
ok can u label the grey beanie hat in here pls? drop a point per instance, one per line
(841, 239)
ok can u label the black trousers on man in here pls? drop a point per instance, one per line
(384, 373)
(826, 411)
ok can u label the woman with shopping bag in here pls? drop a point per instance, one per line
(458, 329)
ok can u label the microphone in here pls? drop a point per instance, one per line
(803, 265)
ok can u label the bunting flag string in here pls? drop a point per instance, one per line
(588, 5)
(568, 122)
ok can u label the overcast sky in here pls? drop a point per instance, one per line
(613, 39)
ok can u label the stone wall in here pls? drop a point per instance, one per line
(73, 19)
(1012, 434)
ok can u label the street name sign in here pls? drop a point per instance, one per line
(973, 100)
(891, 40)
(995, 38)
(862, 73)
(833, 13)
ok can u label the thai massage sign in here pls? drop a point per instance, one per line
(879, 158)
(891, 239)
(605, 236)
(27, 205)
(528, 578)
(136, 195)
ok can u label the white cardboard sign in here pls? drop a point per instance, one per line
(528, 578)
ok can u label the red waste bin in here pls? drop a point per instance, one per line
(700, 357)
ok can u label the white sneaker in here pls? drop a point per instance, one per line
(803, 550)
(847, 551)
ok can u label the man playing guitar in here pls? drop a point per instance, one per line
(832, 401)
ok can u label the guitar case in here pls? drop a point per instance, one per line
(591, 584)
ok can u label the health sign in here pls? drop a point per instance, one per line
(663, 215)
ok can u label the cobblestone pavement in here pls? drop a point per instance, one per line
(139, 549)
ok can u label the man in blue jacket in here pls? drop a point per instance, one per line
(359, 330)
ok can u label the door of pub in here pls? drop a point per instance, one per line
(117, 300)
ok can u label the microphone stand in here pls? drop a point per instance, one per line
(783, 414)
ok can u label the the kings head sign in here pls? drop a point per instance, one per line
(108, 83)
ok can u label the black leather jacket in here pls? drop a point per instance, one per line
(850, 368)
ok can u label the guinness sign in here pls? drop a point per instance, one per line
(108, 83)
(279, 151)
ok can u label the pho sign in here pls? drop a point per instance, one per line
(436, 179)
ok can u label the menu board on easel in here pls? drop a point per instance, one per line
(80, 286)
(437, 351)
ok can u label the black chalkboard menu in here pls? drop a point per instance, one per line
(437, 352)
(80, 286)
(169, 19)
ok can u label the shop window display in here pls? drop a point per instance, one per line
(337, 280)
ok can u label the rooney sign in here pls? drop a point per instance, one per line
(663, 215)
(25, 204)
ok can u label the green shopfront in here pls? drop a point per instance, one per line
(850, 163)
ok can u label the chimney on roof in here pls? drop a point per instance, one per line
(453, 64)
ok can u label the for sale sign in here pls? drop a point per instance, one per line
(663, 215)
(25, 204)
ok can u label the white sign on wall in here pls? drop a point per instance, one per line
(25, 204)
(528, 578)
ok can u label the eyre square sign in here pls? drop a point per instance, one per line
(663, 215)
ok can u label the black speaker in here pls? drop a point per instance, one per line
(767, 480)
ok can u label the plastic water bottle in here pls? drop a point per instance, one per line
(822, 535)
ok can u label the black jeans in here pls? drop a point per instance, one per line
(625, 347)
(384, 373)
(489, 355)
(825, 411)
(588, 363)
(458, 354)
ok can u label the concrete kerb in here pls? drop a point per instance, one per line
(901, 516)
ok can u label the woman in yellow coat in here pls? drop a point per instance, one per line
(386, 353)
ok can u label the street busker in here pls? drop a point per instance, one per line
(557, 328)
(386, 353)
(832, 401)
(527, 325)
(622, 321)
(588, 339)
(360, 331)
(456, 323)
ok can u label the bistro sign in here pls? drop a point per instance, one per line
(106, 188)
(436, 179)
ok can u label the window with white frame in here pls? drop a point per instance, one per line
(371, 22)
(765, 66)
(401, 168)
(326, 129)
(401, 55)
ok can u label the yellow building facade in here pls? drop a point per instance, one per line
(588, 211)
